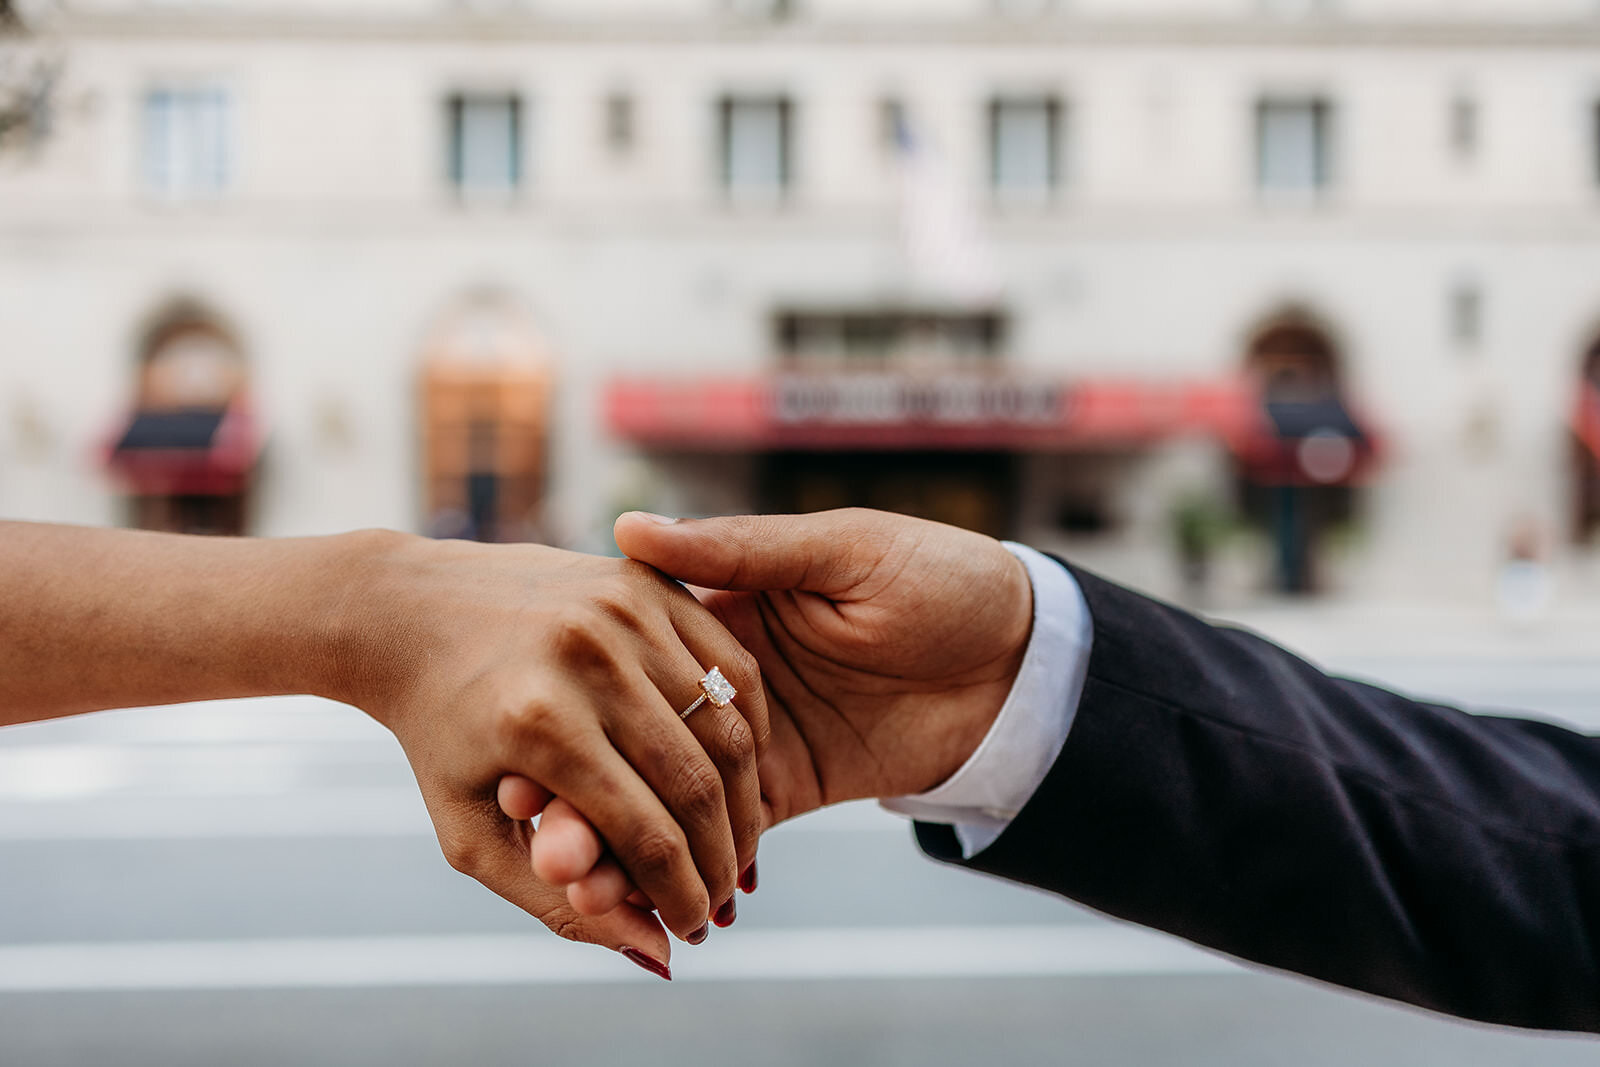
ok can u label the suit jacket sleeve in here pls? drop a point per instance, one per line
(1216, 787)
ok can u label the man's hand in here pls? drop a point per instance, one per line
(566, 672)
(887, 645)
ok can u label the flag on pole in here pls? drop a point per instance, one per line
(945, 250)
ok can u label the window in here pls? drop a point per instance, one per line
(1464, 128)
(186, 142)
(756, 145)
(1022, 9)
(28, 91)
(619, 122)
(1294, 9)
(1587, 451)
(1024, 145)
(187, 453)
(485, 143)
(893, 123)
(1594, 147)
(485, 423)
(1466, 314)
(769, 10)
(890, 336)
(1293, 145)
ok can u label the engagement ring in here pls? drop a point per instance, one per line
(715, 688)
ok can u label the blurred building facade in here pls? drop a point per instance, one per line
(1055, 270)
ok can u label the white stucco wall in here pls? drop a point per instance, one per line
(338, 242)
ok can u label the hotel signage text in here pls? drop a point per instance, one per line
(894, 400)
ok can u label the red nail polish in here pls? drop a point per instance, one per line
(725, 914)
(747, 880)
(655, 967)
(699, 935)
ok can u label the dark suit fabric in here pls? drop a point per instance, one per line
(1217, 787)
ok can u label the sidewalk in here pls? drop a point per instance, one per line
(1346, 629)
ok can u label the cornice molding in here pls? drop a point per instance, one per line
(448, 27)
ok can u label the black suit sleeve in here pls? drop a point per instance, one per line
(1216, 787)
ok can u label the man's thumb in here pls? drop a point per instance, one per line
(820, 553)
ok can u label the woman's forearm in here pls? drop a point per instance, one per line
(97, 618)
(484, 660)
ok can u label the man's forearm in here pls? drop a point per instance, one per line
(1219, 788)
(97, 618)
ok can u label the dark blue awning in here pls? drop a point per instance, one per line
(190, 428)
(1327, 415)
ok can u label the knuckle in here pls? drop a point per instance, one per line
(761, 734)
(737, 741)
(620, 601)
(697, 792)
(747, 837)
(638, 577)
(745, 668)
(655, 852)
(858, 516)
(582, 638)
(575, 631)
(741, 525)
(460, 852)
(529, 722)
(566, 924)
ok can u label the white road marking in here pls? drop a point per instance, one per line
(249, 811)
(759, 955)
(377, 811)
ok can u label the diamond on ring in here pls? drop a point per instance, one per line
(718, 689)
(715, 688)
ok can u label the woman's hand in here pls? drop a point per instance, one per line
(887, 645)
(568, 671)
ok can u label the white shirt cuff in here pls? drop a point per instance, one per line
(1005, 770)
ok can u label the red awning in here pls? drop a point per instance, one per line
(185, 451)
(1586, 419)
(899, 412)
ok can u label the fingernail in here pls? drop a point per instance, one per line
(654, 966)
(699, 935)
(747, 880)
(659, 520)
(725, 914)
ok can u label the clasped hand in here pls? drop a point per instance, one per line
(568, 671)
(872, 653)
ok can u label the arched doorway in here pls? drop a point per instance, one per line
(187, 454)
(486, 390)
(1586, 450)
(1292, 358)
(1296, 473)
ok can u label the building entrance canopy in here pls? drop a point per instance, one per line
(1308, 442)
(1586, 420)
(860, 411)
(188, 451)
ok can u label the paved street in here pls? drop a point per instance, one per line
(256, 882)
